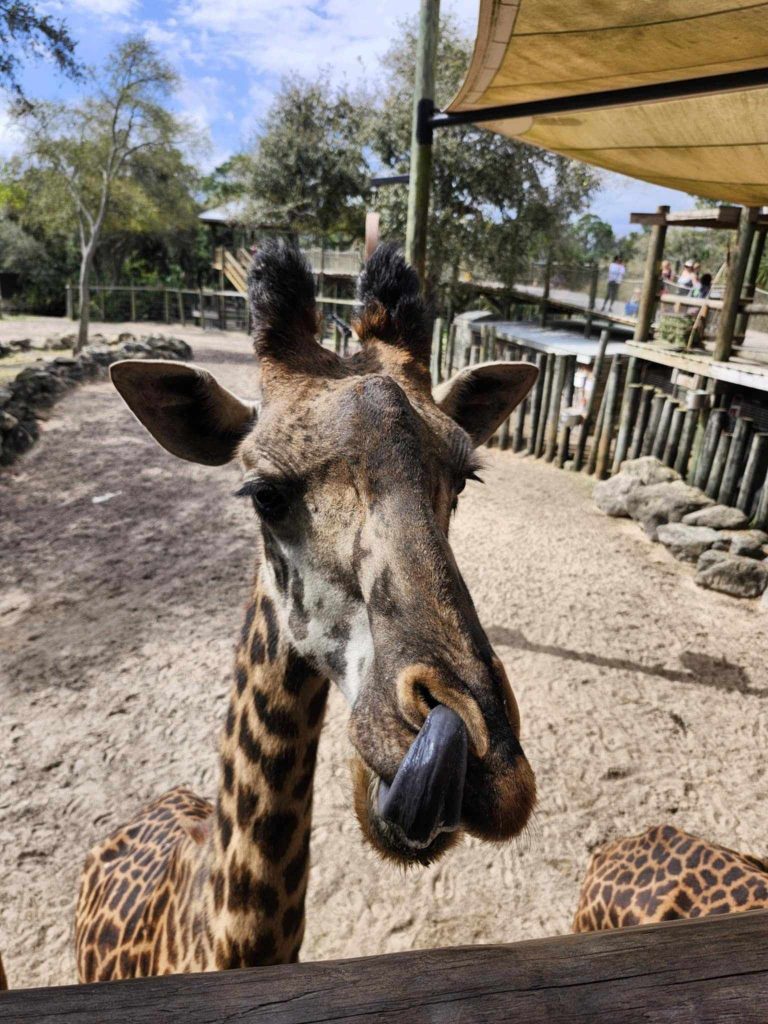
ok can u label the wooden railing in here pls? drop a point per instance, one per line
(710, 971)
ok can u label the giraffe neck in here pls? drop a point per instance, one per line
(260, 846)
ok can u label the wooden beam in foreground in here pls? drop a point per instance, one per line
(710, 970)
(722, 217)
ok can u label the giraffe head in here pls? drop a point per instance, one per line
(353, 467)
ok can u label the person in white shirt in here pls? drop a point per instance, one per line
(616, 272)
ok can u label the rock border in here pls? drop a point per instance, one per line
(25, 399)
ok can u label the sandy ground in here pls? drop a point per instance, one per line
(643, 698)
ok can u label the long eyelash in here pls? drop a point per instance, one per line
(472, 475)
(246, 489)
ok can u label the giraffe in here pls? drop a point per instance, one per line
(664, 874)
(353, 467)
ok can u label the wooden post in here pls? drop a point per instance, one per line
(437, 341)
(628, 414)
(541, 426)
(505, 426)
(553, 415)
(592, 299)
(660, 440)
(592, 460)
(760, 522)
(70, 303)
(657, 407)
(674, 435)
(750, 282)
(732, 295)
(651, 278)
(201, 300)
(518, 441)
(133, 302)
(451, 349)
(421, 139)
(641, 423)
(685, 446)
(180, 303)
(606, 432)
(735, 464)
(718, 465)
(708, 448)
(586, 423)
(756, 464)
(545, 291)
(564, 440)
(542, 360)
(166, 305)
(222, 312)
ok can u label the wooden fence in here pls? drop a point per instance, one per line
(710, 971)
(723, 450)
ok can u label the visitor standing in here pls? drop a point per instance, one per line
(616, 272)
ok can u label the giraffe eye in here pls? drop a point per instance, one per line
(270, 500)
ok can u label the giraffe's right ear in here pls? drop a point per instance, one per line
(184, 408)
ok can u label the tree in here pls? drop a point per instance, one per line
(495, 202)
(90, 152)
(24, 30)
(307, 172)
(593, 238)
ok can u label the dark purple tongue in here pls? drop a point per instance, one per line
(425, 796)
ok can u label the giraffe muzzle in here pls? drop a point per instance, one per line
(425, 796)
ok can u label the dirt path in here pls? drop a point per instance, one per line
(643, 698)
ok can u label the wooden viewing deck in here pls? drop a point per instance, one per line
(711, 970)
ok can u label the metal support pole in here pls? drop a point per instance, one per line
(732, 296)
(651, 278)
(421, 139)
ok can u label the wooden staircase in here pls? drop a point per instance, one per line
(233, 266)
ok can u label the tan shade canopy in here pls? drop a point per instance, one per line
(712, 145)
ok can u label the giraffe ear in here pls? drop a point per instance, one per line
(184, 408)
(479, 398)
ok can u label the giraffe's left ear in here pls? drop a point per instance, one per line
(479, 398)
(184, 408)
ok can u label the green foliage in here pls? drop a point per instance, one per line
(593, 239)
(307, 171)
(496, 203)
(24, 30)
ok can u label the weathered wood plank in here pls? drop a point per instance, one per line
(709, 970)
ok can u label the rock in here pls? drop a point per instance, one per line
(732, 574)
(664, 503)
(123, 337)
(749, 543)
(648, 470)
(718, 517)
(686, 542)
(611, 495)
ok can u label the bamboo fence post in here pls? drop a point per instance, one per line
(544, 410)
(628, 415)
(685, 445)
(708, 448)
(518, 440)
(674, 435)
(660, 441)
(657, 406)
(538, 391)
(606, 432)
(718, 465)
(564, 440)
(553, 416)
(641, 423)
(592, 460)
(735, 463)
(756, 461)
(760, 522)
(586, 423)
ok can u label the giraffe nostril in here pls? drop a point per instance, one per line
(422, 688)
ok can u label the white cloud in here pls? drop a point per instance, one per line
(10, 136)
(106, 8)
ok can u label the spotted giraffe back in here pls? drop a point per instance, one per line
(138, 876)
(664, 874)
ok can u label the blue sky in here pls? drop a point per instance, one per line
(231, 55)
